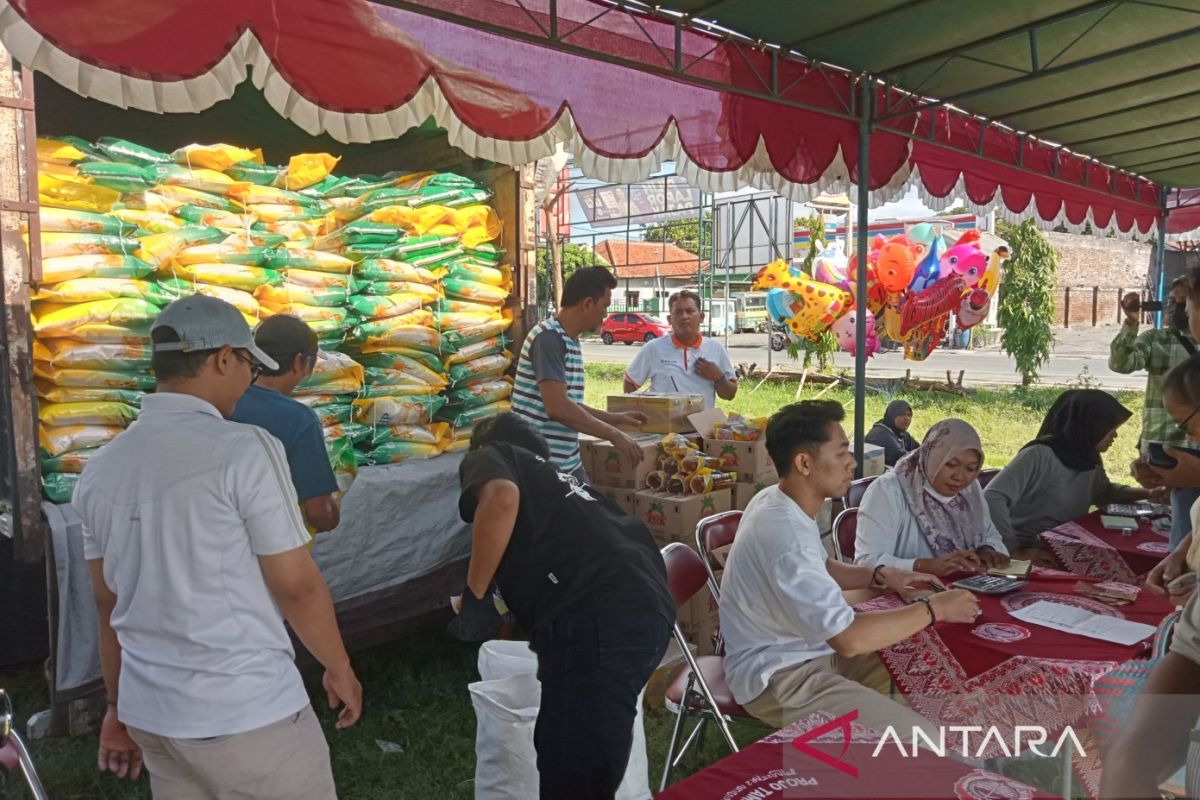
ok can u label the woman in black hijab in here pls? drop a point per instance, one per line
(1059, 475)
(891, 432)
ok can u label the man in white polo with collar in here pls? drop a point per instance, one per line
(196, 549)
(685, 362)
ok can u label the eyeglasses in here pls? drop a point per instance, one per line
(256, 368)
(1183, 426)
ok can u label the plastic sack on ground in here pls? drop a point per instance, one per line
(481, 393)
(72, 462)
(335, 413)
(59, 486)
(394, 452)
(93, 379)
(458, 416)
(67, 220)
(55, 245)
(433, 434)
(397, 410)
(243, 301)
(354, 431)
(85, 290)
(60, 414)
(69, 354)
(233, 276)
(227, 252)
(58, 440)
(53, 319)
(109, 265)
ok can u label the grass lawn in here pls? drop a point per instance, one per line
(416, 688)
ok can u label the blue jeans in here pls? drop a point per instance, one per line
(592, 668)
(1181, 513)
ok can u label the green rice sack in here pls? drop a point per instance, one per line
(458, 417)
(59, 486)
(130, 153)
(67, 220)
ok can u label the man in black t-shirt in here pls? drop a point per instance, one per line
(588, 583)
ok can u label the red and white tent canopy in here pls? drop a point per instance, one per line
(622, 91)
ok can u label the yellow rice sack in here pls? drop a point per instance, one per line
(93, 379)
(58, 244)
(243, 301)
(64, 192)
(307, 313)
(70, 354)
(55, 151)
(160, 249)
(53, 319)
(62, 414)
(83, 290)
(66, 220)
(149, 221)
(316, 279)
(103, 265)
(416, 337)
(219, 157)
(65, 439)
(231, 276)
(305, 169)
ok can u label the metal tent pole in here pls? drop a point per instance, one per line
(1160, 250)
(866, 94)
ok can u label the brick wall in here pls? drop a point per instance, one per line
(1082, 298)
(1087, 262)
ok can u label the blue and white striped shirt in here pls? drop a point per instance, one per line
(549, 353)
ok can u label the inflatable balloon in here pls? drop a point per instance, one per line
(991, 278)
(830, 265)
(845, 329)
(973, 309)
(936, 301)
(876, 294)
(895, 264)
(776, 275)
(807, 308)
(924, 338)
(891, 316)
(965, 260)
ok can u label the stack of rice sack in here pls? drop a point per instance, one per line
(330, 391)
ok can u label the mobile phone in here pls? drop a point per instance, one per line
(1158, 457)
(1182, 583)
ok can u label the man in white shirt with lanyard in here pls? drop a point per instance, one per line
(685, 362)
(196, 548)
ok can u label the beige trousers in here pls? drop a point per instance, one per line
(286, 760)
(837, 685)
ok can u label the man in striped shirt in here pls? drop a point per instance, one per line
(549, 389)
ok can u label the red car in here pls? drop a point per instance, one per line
(632, 326)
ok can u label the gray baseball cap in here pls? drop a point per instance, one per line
(207, 323)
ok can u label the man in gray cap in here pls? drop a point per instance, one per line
(287, 340)
(196, 549)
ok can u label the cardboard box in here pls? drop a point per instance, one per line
(673, 518)
(700, 620)
(873, 464)
(748, 459)
(587, 453)
(668, 413)
(610, 468)
(622, 497)
(744, 490)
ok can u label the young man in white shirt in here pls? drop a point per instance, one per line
(793, 643)
(196, 550)
(685, 362)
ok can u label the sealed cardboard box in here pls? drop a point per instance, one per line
(610, 468)
(743, 491)
(748, 459)
(622, 497)
(666, 413)
(673, 518)
(873, 464)
(700, 620)
(587, 454)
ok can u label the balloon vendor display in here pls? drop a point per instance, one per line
(915, 282)
(397, 274)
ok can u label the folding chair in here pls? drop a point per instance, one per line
(699, 689)
(986, 476)
(857, 489)
(845, 531)
(713, 533)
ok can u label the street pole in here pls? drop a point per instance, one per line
(1160, 250)
(866, 95)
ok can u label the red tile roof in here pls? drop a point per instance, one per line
(647, 259)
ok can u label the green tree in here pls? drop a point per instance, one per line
(693, 235)
(822, 348)
(1027, 298)
(573, 257)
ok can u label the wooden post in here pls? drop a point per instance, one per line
(1120, 294)
(20, 484)
(1095, 305)
(1066, 306)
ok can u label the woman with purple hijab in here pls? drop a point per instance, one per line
(928, 514)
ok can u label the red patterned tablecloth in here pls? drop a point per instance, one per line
(1086, 547)
(774, 768)
(1003, 672)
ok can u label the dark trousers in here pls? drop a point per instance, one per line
(592, 669)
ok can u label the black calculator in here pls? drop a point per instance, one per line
(989, 584)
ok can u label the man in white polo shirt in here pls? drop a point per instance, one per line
(685, 362)
(196, 550)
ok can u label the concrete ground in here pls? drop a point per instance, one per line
(1080, 356)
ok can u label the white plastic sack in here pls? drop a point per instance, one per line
(506, 702)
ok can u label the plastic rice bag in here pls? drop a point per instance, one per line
(65, 220)
(62, 414)
(487, 275)
(58, 151)
(56, 245)
(428, 294)
(250, 194)
(354, 431)
(86, 394)
(112, 334)
(335, 413)
(397, 410)
(74, 193)
(219, 157)
(200, 179)
(458, 416)
(384, 269)
(231, 276)
(58, 440)
(130, 153)
(288, 292)
(70, 354)
(457, 339)
(377, 307)
(306, 312)
(59, 486)
(395, 368)
(433, 433)
(357, 233)
(408, 337)
(253, 172)
(214, 218)
(306, 169)
(315, 260)
(479, 368)
(395, 452)
(453, 306)
(333, 373)
(108, 265)
(323, 280)
(53, 319)
(72, 463)
(93, 379)
(161, 248)
(236, 252)
(474, 291)
(242, 300)
(460, 321)
(148, 222)
(117, 176)
(481, 392)
(471, 352)
(83, 290)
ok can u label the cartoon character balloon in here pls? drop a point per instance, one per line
(806, 306)
(965, 260)
(973, 309)
(895, 263)
(830, 265)
(876, 294)
(845, 329)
